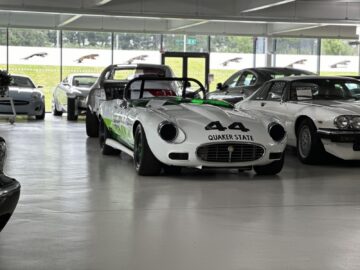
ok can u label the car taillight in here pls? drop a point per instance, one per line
(161, 92)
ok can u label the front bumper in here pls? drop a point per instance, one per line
(190, 158)
(344, 144)
(24, 107)
(9, 197)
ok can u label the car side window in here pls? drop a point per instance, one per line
(246, 79)
(233, 80)
(261, 93)
(276, 91)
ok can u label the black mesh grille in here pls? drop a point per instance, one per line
(230, 152)
(16, 102)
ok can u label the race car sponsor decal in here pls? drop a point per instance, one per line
(216, 125)
(230, 137)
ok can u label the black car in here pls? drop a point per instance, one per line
(9, 190)
(245, 82)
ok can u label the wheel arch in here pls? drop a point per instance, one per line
(299, 120)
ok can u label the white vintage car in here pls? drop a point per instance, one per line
(319, 113)
(70, 95)
(161, 130)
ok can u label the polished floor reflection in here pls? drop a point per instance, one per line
(81, 210)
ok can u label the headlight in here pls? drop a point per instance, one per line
(355, 122)
(342, 121)
(36, 95)
(170, 133)
(277, 132)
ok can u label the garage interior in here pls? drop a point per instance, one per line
(81, 210)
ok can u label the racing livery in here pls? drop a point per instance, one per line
(321, 114)
(162, 130)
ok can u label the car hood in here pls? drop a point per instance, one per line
(336, 106)
(194, 119)
(22, 92)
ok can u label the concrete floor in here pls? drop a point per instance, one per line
(81, 210)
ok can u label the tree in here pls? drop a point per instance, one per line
(337, 47)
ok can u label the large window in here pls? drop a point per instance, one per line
(228, 55)
(36, 53)
(260, 58)
(300, 53)
(85, 52)
(132, 48)
(185, 43)
(2, 48)
(338, 57)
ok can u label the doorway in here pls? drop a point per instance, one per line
(188, 65)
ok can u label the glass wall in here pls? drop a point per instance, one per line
(85, 52)
(338, 57)
(185, 43)
(132, 48)
(298, 53)
(228, 55)
(36, 53)
(2, 48)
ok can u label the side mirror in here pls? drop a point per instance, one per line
(219, 86)
(188, 84)
(40, 86)
(76, 83)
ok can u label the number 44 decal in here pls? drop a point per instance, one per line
(234, 126)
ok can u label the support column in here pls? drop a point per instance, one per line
(269, 51)
(318, 51)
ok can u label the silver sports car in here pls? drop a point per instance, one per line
(70, 95)
(28, 99)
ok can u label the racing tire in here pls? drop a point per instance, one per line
(71, 109)
(146, 164)
(309, 147)
(42, 115)
(172, 170)
(103, 135)
(55, 111)
(270, 169)
(92, 124)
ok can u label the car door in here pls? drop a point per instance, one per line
(121, 125)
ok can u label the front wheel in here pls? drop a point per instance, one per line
(92, 124)
(270, 169)
(103, 135)
(145, 162)
(309, 146)
(42, 115)
(71, 109)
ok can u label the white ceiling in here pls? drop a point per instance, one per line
(300, 18)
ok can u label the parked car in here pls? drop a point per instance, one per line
(245, 82)
(115, 77)
(9, 190)
(70, 95)
(161, 130)
(320, 114)
(28, 99)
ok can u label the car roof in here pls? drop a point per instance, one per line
(312, 77)
(279, 69)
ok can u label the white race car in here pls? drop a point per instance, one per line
(162, 130)
(320, 114)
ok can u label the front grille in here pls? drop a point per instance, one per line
(16, 102)
(230, 152)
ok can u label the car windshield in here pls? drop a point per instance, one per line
(127, 74)
(324, 89)
(22, 82)
(84, 81)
